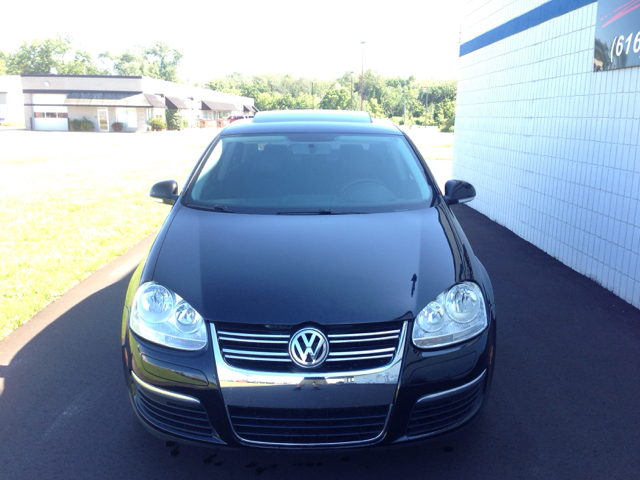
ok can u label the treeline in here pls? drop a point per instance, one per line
(58, 55)
(403, 100)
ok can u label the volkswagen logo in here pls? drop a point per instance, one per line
(308, 348)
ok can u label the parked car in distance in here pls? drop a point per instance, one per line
(233, 118)
(310, 289)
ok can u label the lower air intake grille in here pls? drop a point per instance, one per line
(447, 410)
(172, 415)
(280, 426)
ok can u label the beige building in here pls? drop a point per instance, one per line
(11, 111)
(52, 102)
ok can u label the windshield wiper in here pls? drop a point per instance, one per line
(222, 208)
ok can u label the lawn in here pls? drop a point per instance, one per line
(74, 201)
(433, 145)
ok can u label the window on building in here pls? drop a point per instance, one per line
(128, 117)
(50, 111)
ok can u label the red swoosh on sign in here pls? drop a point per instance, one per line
(624, 9)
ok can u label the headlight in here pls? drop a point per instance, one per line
(455, 315)
(161, 316)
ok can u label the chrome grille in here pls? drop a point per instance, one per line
(351, 347)
(299, 427)
(253, 347)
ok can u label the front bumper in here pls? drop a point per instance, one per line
(418, 395)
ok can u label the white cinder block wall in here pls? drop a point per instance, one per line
(552, 147)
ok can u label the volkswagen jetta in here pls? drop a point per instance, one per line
(310, 288)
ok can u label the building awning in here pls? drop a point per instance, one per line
(107, 99)
(175, 103)
(218, 106)
(250, 108)
(154, 101)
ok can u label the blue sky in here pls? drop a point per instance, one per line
(314, 39)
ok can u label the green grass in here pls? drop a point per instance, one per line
(433, 145)
(72, 202)
(436, 153)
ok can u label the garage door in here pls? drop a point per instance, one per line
(51, 120)
(49, 112)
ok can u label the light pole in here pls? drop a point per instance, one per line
(404, 100)
(351, 101)
(362, 75)
(426, 104)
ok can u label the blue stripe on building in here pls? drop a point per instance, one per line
(541, 14)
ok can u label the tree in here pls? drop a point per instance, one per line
(40, 56)
(286, 102)
(157, 61)
(132, 62)
(51, 54)
(273, 91)
(80, 64)
(441, 91)
(392, 101)
(382, 97)
(445, 115)
(166, 59)
(3, 63)
(441, 101)
(174, 119)
(345, 79)
(305, 101)
(336, 98)
(601, 55)
(264, 101)
(373, 108)
(234, 83)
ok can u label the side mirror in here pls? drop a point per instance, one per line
(167, 191)
(458, 191)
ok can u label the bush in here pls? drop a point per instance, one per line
(174, 120)
(445, 115)
(117, 126)
(185, 123)
(157, 124)
(83, 125)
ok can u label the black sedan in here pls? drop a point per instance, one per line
(309, 289)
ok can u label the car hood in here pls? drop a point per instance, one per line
(291, 269)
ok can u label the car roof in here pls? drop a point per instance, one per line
(312, 121)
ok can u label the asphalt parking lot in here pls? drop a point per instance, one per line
(564, 402)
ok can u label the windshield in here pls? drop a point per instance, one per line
(310, 174)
